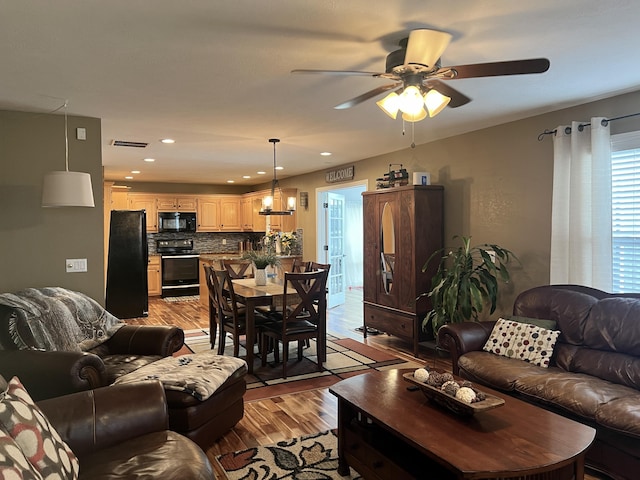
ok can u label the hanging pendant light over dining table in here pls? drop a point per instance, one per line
(268, 201)
(67, 188)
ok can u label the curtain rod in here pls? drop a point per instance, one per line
(567, 130)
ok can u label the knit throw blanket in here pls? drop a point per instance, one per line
(55, 319)
(198, 374)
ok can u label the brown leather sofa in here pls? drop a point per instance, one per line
(121, 431)
(594, 375)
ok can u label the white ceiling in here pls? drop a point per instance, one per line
(215, 75)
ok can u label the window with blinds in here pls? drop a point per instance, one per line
(625, 221)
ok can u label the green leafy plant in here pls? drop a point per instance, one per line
(466, 281)
(262, 260)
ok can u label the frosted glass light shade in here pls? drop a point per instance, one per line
(67, 189)
(421, 115)
(267, 202)
(411, 100)
(435, 102)
(291, 203)
(389, 104)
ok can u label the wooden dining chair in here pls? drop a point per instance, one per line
(300, 320)
(232, 315)
(214, 324)
(298, 266)
(238, 268)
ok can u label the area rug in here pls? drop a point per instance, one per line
(346, 358)
(309, 457)
(183, 298)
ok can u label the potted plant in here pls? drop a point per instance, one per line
(466, 281)
(261, 260)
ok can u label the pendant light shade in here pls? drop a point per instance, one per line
(65, 188)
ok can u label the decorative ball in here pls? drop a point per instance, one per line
(421, 374)
(446, 377)
(480, 396)
(450, 388)
(466, 395)
(435, 379)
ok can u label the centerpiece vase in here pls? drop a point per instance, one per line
(260, 276)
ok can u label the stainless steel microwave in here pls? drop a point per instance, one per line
(176, 222)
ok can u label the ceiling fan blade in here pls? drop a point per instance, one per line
(336, 72)
(457, 98)
(425, 47)
(366, 96)
(513, 67)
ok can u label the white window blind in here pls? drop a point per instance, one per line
(625, 222)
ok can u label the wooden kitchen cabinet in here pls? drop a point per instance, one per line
(147, 202)
(252, 221)
(219, 214)
(283, 223)
(402, 227)
(154, 276)
(172, 203)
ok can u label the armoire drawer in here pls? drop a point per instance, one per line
(389, 321)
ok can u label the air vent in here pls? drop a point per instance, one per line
(125, 143)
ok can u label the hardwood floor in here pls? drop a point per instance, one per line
(270, 420)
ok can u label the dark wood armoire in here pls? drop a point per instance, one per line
(403, 226)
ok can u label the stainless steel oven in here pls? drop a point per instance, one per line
(180, 268)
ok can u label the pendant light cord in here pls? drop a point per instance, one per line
(66, 138)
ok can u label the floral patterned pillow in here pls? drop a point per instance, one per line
(35, 436)
(523, 341)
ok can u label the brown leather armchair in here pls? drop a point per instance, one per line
(48, 374)
(121, 431)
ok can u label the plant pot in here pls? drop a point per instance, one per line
(261, 276)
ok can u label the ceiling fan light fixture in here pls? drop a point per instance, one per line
(390, 104)
(435, 102)
(411, 117)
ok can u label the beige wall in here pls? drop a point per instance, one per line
(497, 189)
(498, 184)
(35, 241)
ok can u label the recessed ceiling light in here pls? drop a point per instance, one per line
(246, 176)
(279, 168)
(325, 154)
(128, 177)
(149, 159)
(168, 140)
(231, 181)
(135, 171)
(261, 173)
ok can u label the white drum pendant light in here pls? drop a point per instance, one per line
(65, 188)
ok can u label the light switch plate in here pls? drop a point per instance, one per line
(75, 265)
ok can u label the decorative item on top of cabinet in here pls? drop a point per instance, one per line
(403, 226)
(172, 203)
(146, 202)
(219, 213)
(154, 276)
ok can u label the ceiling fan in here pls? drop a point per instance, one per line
(416, 72)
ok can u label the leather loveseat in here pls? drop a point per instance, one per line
(50, 367)
(594, 373)
(121, 431)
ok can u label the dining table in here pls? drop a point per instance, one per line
(271, 294)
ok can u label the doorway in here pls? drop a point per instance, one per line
(340, 240)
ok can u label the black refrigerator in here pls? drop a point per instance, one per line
(127, 294)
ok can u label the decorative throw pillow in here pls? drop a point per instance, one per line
(523, 341)
(13, 463)
(36, 437)
(538, 322)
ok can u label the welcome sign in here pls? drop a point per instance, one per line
(339, 174)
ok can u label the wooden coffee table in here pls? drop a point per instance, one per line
(387, 431)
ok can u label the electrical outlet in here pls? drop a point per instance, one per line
(81, 133)
(74, 265)
(224, 241)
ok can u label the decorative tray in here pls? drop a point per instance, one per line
(452, 403)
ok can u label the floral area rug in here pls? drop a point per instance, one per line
(309, 457)
(346, 357)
